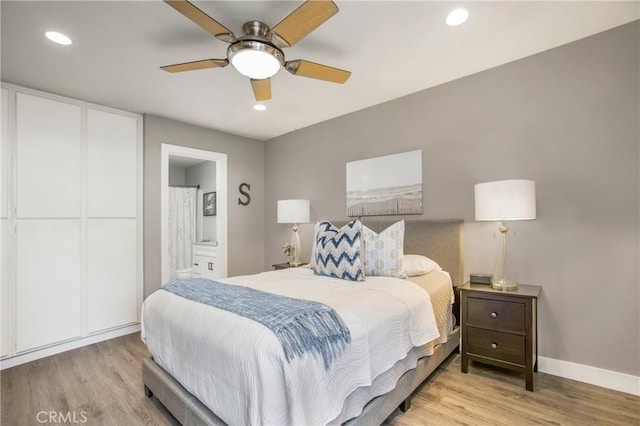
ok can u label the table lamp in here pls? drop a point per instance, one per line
(295, 212)
(505, 200)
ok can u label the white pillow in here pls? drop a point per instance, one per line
(415, 265)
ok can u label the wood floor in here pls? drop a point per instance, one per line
(104, 382)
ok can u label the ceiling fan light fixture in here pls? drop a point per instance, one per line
(457, 17)
(255, 59)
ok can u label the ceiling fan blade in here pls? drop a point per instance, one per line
(196, 65)
(303, 20)
(321, 72)
(202, 19)
(261, 89)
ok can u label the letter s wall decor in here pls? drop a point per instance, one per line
(244, 189)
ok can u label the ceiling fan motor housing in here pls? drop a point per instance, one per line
(257, 30)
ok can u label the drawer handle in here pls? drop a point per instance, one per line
(494, 345)
(493, 315)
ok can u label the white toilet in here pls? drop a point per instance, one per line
(183, 274)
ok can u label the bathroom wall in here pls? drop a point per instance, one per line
(176, 175)
(203, 174)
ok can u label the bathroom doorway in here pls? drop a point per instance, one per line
(194, 202)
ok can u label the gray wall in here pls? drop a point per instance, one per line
(245, 163)
(566, 118)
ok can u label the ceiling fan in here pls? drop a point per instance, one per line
(258, 53)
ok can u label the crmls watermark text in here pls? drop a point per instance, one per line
(61, 417)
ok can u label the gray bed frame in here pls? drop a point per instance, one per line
(440, 240)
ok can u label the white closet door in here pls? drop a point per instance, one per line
(48, 158)
(4, 226)
(112, 273)
(4, 305)
(48, 307)
(111, 164)
(4, 156)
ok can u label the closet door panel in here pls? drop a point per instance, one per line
(48, 298)
(112, 273)
(4, 301)
(48, 158)
(111, 164)
(4, 156)
(4, 226)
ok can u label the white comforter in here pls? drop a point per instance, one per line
(237, 368)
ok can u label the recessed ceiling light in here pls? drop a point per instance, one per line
(259, 107)
(457, 17)
(57, 37)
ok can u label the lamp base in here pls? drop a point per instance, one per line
(504, 285)
(295, 242)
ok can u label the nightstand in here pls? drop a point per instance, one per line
(500, 328)
(286, 265)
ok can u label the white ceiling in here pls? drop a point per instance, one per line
(393, 49)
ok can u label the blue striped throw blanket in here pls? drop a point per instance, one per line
(300, 325)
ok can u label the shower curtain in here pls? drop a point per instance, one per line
(182, 226)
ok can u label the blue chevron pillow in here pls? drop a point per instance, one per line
(337, 251)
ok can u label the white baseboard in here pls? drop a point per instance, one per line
(67, 346)
(595, 376)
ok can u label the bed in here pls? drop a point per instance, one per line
(197, 398)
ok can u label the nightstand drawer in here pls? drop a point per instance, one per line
(496, 314)
(496, 345)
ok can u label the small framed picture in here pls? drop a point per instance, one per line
(209, 203)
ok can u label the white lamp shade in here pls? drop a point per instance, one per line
(293, 211)
(506, 200)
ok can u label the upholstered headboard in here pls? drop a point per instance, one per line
(440, 240)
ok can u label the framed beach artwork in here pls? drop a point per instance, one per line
(209, 204)
(383, 186)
